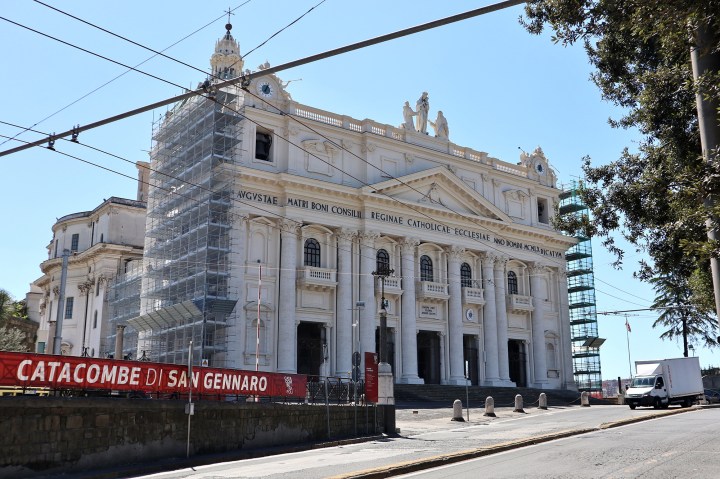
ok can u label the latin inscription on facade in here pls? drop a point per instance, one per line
(383, 217)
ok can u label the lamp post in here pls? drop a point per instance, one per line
(383, 272)
(355, 375)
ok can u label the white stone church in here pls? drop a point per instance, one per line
(267, 219)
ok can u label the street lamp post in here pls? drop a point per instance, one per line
(383, 272)
(355, 374)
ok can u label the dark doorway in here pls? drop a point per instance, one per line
(470, 356)
(309, 348)
(390, 346)
(517, 359)
(428, 350)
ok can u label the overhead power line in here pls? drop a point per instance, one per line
(121, 74)
(249, 77)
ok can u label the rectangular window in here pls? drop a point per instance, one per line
(69, 307)
(74, 242)
(41, 347)
(263, 144)
(56, 247)
(543, 213)
(97, 288)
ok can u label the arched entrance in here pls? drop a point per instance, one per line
(310, 354)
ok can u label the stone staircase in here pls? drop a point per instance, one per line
(437, 395)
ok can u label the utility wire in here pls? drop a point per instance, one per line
(121, 74)
(245, 79)
(339, 146)
(92, 53)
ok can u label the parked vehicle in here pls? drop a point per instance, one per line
(712, 397)
(662, 382)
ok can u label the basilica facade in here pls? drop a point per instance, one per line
(275, 229)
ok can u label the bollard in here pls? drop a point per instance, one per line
(585, 399)
(489, 407)
(457, 411)
(518, 404)
(542, 402)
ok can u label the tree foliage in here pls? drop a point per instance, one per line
(651, 196)
(12, 339)
(679, 314)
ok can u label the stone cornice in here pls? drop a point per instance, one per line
(98, 249)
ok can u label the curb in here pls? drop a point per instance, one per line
(442, 460)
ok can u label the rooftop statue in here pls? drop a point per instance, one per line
(408, 114)
(440, 126)
(422, 107)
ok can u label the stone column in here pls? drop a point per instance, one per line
(409, 314)
(368, 322)
(236, 340)
(344, 310)
(567, 374)
(492, 375)
(287, 329)
(538, 289)
(443, 369)
(455, 327)
(502, 321)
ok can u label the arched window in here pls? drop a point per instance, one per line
(312, 252)
(426, 268)
(382, 261)
(512, 283)
(466, 276)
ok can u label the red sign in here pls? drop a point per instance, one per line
(371, 377)
(69, 372)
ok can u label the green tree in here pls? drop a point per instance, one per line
(7, 304)
(652, 197)
(12, 339)
(684, 319)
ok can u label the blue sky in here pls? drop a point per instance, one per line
(499, 87)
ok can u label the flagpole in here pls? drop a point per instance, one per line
(627, 336)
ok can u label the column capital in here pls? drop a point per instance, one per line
(497, 260)
(367, 238)
(241, 218)
(288, 225)
(455, 253)
(346, 235)
(409, 244)
(536, 269)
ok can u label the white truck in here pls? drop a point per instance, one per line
(663, 382)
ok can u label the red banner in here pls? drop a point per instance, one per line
(70, 372)
(371, 377)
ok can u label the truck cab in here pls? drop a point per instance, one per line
(647, 391)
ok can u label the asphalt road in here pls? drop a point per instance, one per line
(680, 446)
(429, 433)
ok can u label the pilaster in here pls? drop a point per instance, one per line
(408, 317)
(287, 330)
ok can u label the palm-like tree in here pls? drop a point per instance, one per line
(680, 314)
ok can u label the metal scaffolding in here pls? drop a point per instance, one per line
(124, 304)
(187, 293)
(581, 299)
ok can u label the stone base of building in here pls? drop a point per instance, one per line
(503, 383)
(411, 380)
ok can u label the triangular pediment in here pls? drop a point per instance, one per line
(440, 189)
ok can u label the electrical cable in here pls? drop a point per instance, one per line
(249, 77)
(122, 74)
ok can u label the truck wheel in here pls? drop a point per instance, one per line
(632, 406)
(656, 404)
